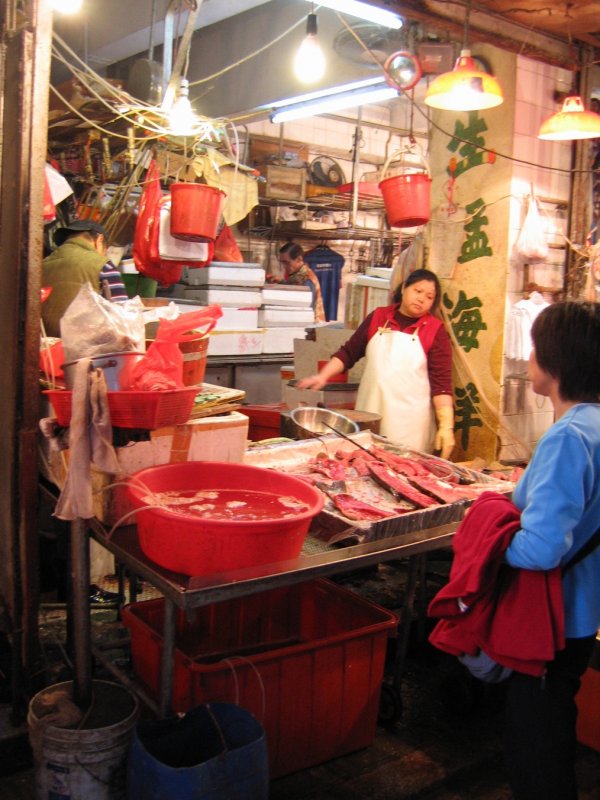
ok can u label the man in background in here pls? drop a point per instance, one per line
(80, 257)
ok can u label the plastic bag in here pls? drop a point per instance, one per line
(92, 326)
(162, 366)
(145, 240)
(531, 241)
(226, 247)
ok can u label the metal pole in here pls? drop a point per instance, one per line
(80, 609)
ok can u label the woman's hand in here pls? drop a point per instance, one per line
(312, 382)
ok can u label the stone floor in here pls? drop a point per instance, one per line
(445, 746)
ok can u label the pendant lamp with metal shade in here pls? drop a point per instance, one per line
(466, 88)
(571, 122)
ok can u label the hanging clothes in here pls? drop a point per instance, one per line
(518, 329)
(327, 266)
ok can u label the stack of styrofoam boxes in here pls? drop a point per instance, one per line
(285, 313)
(236, 287)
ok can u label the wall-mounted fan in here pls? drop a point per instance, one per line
(324, 171)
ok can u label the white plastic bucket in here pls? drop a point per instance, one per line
(86, 763)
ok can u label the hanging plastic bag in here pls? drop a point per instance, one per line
(145, 240)
(531, 241)
(162, 366)
(226, 247)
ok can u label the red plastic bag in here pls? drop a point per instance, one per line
(145, 247)
(226, 247)
(162, 366)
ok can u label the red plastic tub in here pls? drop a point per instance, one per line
(306, 660)
(252, 520)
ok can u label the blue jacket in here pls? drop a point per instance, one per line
(559, 498)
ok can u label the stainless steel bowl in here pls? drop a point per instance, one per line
(310, 421)
(117, 368)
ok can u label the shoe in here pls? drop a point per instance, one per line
(101, 597)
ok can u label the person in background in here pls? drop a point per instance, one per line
(298, 273)
(408, 371)
(559, 499)
(80, 257)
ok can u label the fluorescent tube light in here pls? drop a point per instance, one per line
(355, 8)
(359, 93)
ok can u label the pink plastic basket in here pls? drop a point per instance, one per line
(131, 409)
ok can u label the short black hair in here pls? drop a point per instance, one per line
(566, 340)
(291, 249)
(421, 275)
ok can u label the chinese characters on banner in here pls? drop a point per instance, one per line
(467, 149)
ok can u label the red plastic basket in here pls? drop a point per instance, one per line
(131, 409)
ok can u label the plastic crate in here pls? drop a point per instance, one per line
(307, 660)
(132, 409)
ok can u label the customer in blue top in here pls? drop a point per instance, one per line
(559, 498)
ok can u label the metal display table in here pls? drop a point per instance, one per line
(185, 593)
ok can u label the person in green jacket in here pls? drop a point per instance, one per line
(80, 257)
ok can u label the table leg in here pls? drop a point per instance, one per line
(80, 599)
(166, 673)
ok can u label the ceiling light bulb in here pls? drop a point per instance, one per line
(309, 61)
(465, 88)
(571, 122)
(65, 6)
(182, 120)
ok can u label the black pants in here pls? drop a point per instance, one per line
(540, 722)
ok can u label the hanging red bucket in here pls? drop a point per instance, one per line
(407, 197)
(195, 211)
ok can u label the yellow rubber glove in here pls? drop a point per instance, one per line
(444, 438)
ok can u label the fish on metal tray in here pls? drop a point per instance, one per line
(399, 486)
(440, 490)
(355, 509)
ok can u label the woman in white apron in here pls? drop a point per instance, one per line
(408, 371)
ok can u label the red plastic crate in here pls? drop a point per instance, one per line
(133, 409)
(307, 660)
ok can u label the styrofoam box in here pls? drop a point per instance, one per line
(236, 343)
(217, 274)
(232, 319)
(281, 340)
(238, 297)
(307, 660)
(286, 296)
(286, 316)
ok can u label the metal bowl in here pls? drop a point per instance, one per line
(310, 421)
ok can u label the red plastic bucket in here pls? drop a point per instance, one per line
(407, 199)
(195, 211)
(194, 360)
(230, 533)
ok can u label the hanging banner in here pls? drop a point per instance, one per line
(471, 191)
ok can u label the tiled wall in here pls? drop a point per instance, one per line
(543, 166)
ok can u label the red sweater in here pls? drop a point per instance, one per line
(516, 616)
(433, 337)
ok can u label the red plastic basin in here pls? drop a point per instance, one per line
(192, 545)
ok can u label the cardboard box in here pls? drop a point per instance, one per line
(363, 296)
(236, 343)
(283, 183)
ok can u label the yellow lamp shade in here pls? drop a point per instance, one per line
(571, 122)
(465, 88)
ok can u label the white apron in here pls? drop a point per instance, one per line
(395, 384)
